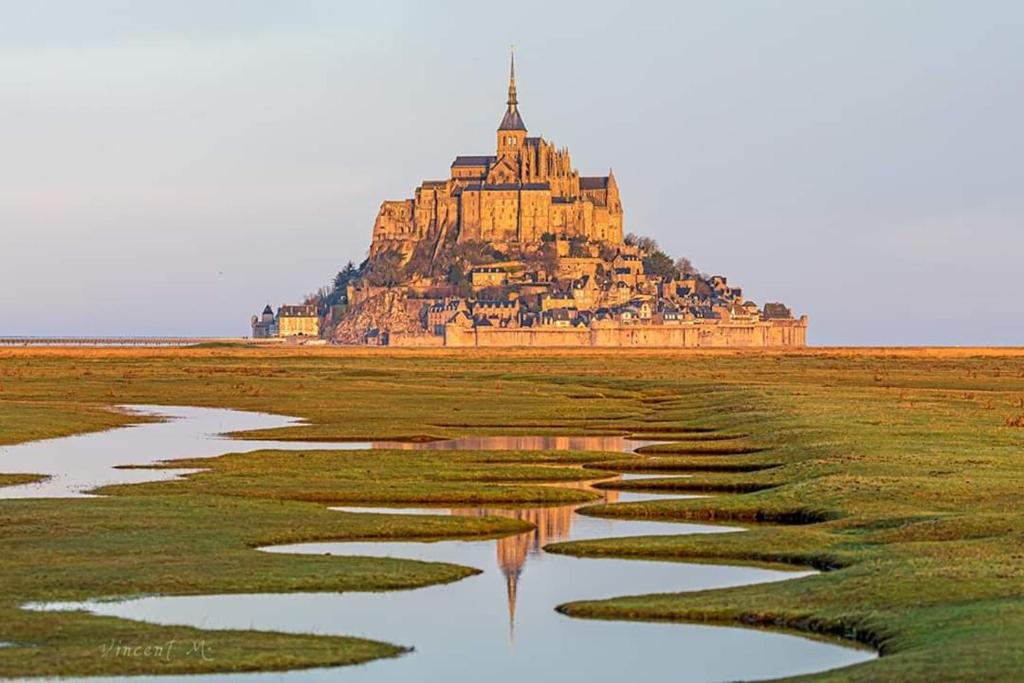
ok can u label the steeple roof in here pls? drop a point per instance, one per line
(512, 120)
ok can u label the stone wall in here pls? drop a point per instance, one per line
(415, 340)
(770, 334)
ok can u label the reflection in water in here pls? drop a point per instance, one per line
(551, 524)
(461, 629)
(74, 465)
(619, 444)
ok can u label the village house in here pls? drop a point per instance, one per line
(298, 321)
(488, 276)
(497, 313)
(554, 300)
(443, 312)
(558, 317)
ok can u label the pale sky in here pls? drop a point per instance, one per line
(171, 167)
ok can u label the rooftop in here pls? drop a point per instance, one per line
(473, 161)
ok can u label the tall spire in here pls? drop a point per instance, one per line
(512, 102)
(512, 589)
(512, 120)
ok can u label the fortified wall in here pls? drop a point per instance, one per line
(762, 334)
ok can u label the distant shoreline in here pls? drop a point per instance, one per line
(227, 344)
(127, 341)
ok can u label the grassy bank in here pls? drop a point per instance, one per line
(899, 472)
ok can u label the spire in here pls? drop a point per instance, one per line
(512, 102)
(512, 120)
(512, 589)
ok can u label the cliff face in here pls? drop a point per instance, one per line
(384, 312)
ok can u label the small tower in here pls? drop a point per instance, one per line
(512, 131)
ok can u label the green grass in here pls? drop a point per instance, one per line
(897, 473)
(31, 420)
(198, 537)
(14, 479)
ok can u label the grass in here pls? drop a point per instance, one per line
(897, 472)
(13, 479)
(198, 537)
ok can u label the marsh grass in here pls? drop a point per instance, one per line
(897, 472)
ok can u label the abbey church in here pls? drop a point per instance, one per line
(526, 189)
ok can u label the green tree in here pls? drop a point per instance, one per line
(660, 263)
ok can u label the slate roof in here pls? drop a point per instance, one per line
(301, 311)
(512, 120)
(594, 182)
(471, 160)
(776, 311)
(518, 186)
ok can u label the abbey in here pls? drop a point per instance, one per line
(515, 248)
(525, 190)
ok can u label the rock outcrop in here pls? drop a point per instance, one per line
(383, 312)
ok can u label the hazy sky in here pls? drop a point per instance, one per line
(170, 167)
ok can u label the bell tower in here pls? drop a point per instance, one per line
(512, 131)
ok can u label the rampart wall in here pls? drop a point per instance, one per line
(769, 334)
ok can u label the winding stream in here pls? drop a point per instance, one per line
(499, 625)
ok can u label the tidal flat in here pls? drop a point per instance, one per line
(895, 473)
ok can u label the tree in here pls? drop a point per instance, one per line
(337, 293)
(543, 260)
(684, 266)
(456, 274)
(660, 263)
(477, 253)
(578, 247)
(549, 259)
(648, 245)
(345, 276)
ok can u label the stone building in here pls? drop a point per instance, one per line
(526, 189)
(298, 321)
(264, 326)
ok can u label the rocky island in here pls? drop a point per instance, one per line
(516, 248)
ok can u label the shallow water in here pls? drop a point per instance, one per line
(80, 463)
(499, 625)
(522, 443)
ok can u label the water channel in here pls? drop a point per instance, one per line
(500, 625)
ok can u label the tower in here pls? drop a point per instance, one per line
(512, 131)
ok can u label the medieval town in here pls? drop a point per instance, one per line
(516, 248)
